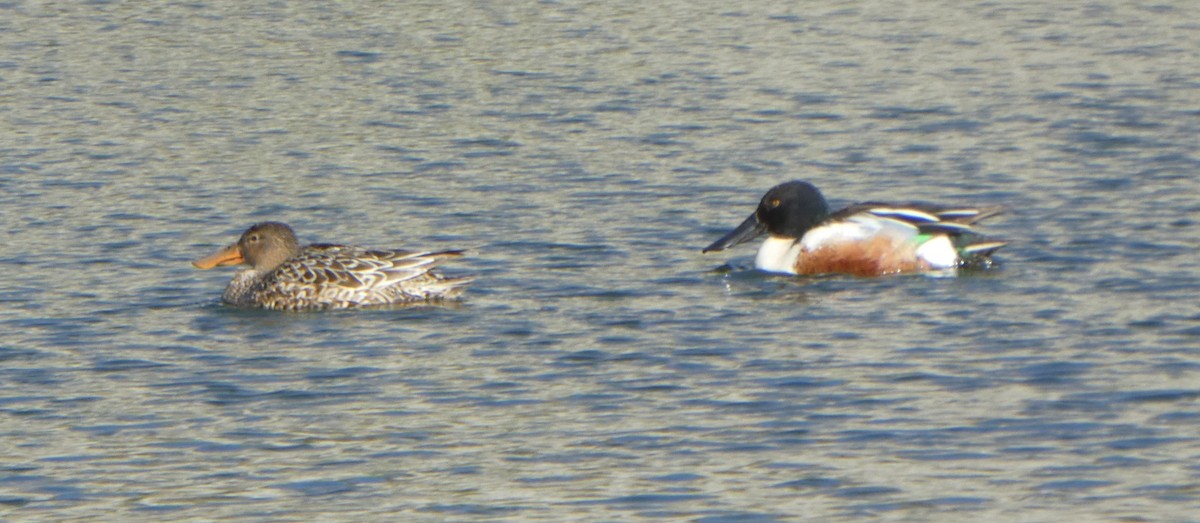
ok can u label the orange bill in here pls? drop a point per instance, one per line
(230, 255)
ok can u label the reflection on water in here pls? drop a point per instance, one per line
(600, 368)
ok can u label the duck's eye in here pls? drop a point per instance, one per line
(253, 238)
(775, 202)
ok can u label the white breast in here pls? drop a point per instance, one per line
(778, 255)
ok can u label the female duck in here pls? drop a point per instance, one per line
(865, 239)
(285, 276)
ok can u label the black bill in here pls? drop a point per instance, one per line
(748, 230)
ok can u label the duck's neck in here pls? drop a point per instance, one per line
(240, 287)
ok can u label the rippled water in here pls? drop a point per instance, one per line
(601, 368)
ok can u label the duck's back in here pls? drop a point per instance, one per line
(327, 276)
(871, 239)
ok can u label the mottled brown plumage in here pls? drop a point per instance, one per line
(285, 276)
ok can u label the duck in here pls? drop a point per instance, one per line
(864, 239)
(283, 275)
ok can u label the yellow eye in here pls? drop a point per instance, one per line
(775, 202)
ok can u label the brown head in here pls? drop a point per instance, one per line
(263, 246)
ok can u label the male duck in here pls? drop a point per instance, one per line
(285, 276)
(864, 239)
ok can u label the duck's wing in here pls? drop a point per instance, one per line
(941, 235)
(326, 275)
(923, 217)
(356, 267)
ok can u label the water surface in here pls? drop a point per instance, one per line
(601, 368)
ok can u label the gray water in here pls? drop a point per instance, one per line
(601, 368)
